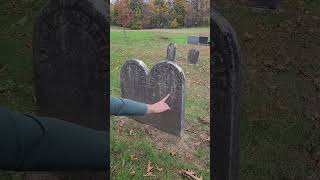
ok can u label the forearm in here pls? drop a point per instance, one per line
(126, 107)
(40, 143)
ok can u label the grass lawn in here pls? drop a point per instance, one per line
(129, 138)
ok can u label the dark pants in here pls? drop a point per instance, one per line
(29, 143)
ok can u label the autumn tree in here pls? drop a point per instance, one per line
(122, 13)
(137, 9)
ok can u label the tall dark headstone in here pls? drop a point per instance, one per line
(225, 81)
(139, 84)
(71, 66)
(171, 52)
(193, 56)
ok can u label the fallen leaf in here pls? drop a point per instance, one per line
(197, 143)
(132, 173)
(159, 169)
(248, 37)
(204, 120)
(113, 168)
(123, 162)
(133, 157)
(173, 152)
(29, 45)
(148, 174)
(190, 174)
(149, 168)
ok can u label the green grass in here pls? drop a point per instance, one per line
(150, 46)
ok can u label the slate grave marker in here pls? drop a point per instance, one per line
(165, 77)
(70, 56)
(171, 52)
(193, 56)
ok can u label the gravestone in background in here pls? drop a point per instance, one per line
(171, 52)
(139, 84)
(193, 56)
(70, 56)
(224, 100)
(203, 40)
(193, 40)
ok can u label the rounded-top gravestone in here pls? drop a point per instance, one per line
(193, 56)
(70, 61)
(171, 52)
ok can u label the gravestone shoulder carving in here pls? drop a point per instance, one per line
(164, 78)
(225, 78)
(193, 56)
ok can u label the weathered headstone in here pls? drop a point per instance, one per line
(193, 56)
(203, 40)
(139, 84)
(225, 81)
(193, 40)
(171, 52)
(71, 67)
(70, 61)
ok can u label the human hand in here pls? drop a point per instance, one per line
(158, 107)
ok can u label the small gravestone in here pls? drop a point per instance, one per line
(203, 40)
(193, 56)
(193, 40)
(271, 4)
(171, 52)
(225, 78)
(139, 84)
(70, 55)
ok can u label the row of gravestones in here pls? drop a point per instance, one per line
(193, 55)
(70, 48)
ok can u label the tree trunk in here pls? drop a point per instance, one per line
(124, 31)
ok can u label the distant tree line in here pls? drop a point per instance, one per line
(147, 14)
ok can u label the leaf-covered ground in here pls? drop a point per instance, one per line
(280, 137)
(134, 145)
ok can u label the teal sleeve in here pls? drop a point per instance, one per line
(32, 143)
(126, 107)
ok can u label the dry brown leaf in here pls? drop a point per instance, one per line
(148, 174)
(132, 173)
(190, 174)
(197, 143)
(133, 157)
(29, 45)
(173, 152)
(204, 120)
(113, 168)
(149, 168)
(131, 132)
(159, 169)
